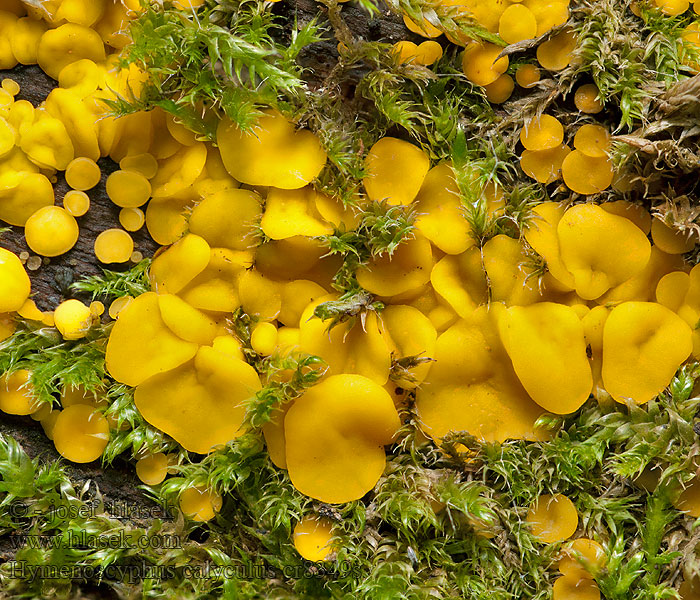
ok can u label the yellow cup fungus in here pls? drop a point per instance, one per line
(76, 203)
(517, 23)
(555, 54)
(80, 433)
(24, 39)
(152, 469)
(113, 246)
(546, 345)
(592, 140)
(82, 174)
(66, 44)
(527, 75)
(544, 165)
(128, 189)
(395, 171)
(481, 64)
(542, 133)
(51, 231)
(16, 393)
(500, 90)
(287, 213)
(200, 504)
(131, 219)
(312, 538)
(583, 559)
(552, 518)
(599, 249)
(145, 163)
(335, 436)
(263, 338)
(570, 587)
(274, 153)
(642, 337)
(670, 240)
(14, 282)
(586, 99)
(73, 319)
(424, 54)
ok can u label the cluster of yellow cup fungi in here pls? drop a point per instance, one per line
(553, 519)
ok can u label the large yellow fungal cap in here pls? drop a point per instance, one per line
(51, 231)
(592, 140)
(440, 215)
(599, 249)
(670, 240)
(395, 171)
(406, 269)
(66, 44)
(546, 345)
(517, 23)
(552, 518)
(17, 395)
(73, 319)
(46, 142)
(173, 269)
(312, 538)
(542, 133)
(201, 403)
(80, 433)
(179, 171)
(141, 344)
(292, 212)
(642, 338)
(22, 194)
(461, 281)
(14, 282)
(335, 437)
(481, 64)
(24, 39)
(272, 154)
(555, 53)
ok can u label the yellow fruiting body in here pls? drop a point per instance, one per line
(16, 393)
(128, 189)
(14, 282)
(312, 538)
(152, 469)
(200, 504)
(73, 319)
(552, 518)
(82, 174)
(113, 246)
(80, 433)
(51, 231)
(76, 203)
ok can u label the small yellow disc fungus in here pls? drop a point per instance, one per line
(312, 538)
(66, 44)
(263, 338)
(51, 231)
(113, 246)
(395, 171)
(46, 142)
(642, 337)
(586, 175)
(7, 326)
(405, 51)
(586, 99)
(73, 319)
(572, 587)
(16, 394)
(131, 219)
(544, 165)
(82, 174)
(296, 296)
(670, 240)
(548, 14)
(500, 90)
(30, 311)
(481, 64)
(10, 86)
(76, 203)
(146, 164)
(555, 53)
(118, 305)
(406, 269)
(517, 23)
(335, 436)
(80, 433)
(545, 342)
(173, 269)
(97, 308)
(78, 119)
(583, 559)
(599, 249)
(202, 403)
(542, 133)
(273, 154)
(128, 189)
(14, 282)
(83, 77)
(592, 140)
(428, 52)
(552, 518)
(200, 504)
(152, 469)
(527, 75)
(461, 281)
